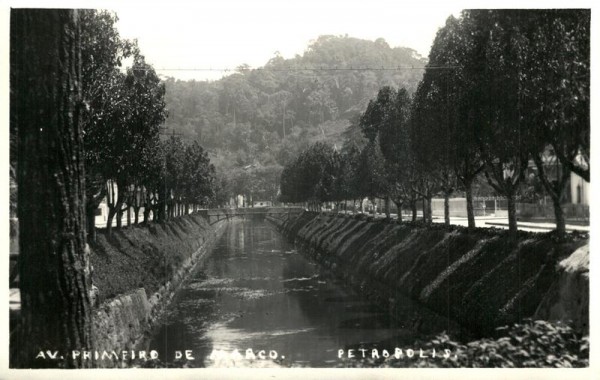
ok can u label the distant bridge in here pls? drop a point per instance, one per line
(255, 213)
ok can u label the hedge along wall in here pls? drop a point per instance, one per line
(137, 271)
(480, 279)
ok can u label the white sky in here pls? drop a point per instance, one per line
(225, 34)
(222, 33)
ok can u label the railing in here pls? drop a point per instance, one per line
(215, 215)
(570, 210)
(498, 207)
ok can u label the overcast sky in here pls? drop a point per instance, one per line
(225, 34)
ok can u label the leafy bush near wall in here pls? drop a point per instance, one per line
(535, 344)
(530, 344)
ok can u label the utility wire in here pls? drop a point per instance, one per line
(288, 69)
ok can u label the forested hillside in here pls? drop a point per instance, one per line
(255, 120)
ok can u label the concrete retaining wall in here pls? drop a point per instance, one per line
(478, 279)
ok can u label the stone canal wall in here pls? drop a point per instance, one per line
(479, 279)
(136, 272)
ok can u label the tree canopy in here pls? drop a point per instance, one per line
(502, 89)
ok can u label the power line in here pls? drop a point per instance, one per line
(298, 69)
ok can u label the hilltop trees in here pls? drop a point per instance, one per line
(265, 117)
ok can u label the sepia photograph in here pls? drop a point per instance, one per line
(298, 189)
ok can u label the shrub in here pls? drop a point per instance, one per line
(530, 344)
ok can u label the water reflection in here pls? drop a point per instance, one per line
(256, 296)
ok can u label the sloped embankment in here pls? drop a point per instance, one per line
(137, 270)
(144, 256)
(479, 279)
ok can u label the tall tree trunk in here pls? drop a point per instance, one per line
(446, 208)
(90, 211)
(136, 215)
(54, 266)
(120, 217)
(470, 212)
(128, 215)
(512, 215)
(559, 218)
(147, 204)
(147, 210)
(92, 203)
(387, 207)
(413, 206)
(156, 212)
(555, 189)
(428, 216)
(111, 202)
(121, 196)
(424, 208)
(398, 203)
(162, 205)
(109, 219)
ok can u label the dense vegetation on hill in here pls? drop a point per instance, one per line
(255, 120)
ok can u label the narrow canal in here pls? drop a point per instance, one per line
(256, 292)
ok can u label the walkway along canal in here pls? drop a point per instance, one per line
(257, 302)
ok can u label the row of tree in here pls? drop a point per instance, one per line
(172, 179)
(126, 160)
(503, 88)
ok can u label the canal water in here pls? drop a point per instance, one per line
(257, 302)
